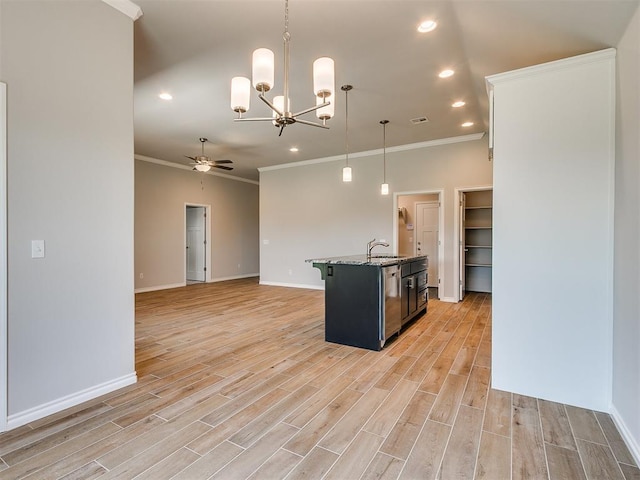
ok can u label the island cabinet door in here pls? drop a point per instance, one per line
(352, 306)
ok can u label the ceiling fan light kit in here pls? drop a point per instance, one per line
(202, 163)
(263, 81)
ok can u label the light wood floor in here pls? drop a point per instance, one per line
(236, 381)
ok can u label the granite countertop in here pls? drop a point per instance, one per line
(376, 260)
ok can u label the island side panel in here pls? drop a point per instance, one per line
(352, 306)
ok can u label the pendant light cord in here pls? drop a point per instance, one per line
(346, 123)
(384, 153)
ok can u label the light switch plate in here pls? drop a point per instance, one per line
(37, 248)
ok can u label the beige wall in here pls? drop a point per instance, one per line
(70, 183)
(307, 212)
(161, 193)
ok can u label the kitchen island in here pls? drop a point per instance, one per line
(368, 299)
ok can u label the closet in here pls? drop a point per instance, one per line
(476, 240)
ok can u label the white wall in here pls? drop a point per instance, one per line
(161, 193)
(306, 211)
(552, 230)
(70, 183)
(626, 326)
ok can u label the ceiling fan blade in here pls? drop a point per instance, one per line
(223, 167)
(223, 161)
(191, 158)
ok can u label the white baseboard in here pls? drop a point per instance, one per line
(183, 284)
(159, 287)
(235, 277)
(448, 299)
(632, 443)
(292, 285)
(55, 406)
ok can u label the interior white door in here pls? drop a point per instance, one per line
(196, 240)
(462, 246)
(426, 232)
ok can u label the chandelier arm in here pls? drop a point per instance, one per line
(310, 109)
(271, 105)
(259, 119)
(313, 124)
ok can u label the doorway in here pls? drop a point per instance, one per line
(473, 227)
(197, 232)
(419, 229)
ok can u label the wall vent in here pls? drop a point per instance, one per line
(419, 120)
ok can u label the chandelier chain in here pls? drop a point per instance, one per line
(286, 18)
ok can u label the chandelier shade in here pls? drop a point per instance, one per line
(325, 113)
(263, 69)
(324, 77)
(240, 94)
(278, 102)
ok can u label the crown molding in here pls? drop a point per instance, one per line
(586, 58)
(400, 148)
(127, 7)
(164, 163)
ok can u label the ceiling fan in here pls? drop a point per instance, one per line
(202, 163)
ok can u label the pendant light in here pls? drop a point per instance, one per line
(346, 171)
(384, 188)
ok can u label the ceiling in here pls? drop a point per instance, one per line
(192, 48)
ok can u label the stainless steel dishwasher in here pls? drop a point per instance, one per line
(392, 316)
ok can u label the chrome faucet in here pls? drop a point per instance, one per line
(372, 244)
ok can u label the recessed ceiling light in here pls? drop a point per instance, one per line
(446, 73)
(293, 149)
(427, 26)
(458, 104)
(467, 124)
(166, 96)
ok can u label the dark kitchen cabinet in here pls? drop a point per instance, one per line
(413, 294)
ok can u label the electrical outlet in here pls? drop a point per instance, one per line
(290, 272)
(142, 275)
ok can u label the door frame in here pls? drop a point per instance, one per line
(440, 192)
(207, 236)
(457, 224)
(4, 340)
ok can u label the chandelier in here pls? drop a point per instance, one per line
(263, 76)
